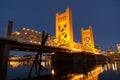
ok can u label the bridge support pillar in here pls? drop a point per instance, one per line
(4, 53)
(9, 29)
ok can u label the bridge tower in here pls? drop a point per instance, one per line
(64, 29)
(87, 38)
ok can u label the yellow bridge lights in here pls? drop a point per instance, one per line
(88, 40)
(64, 29)
(87, 37)
(64, 35)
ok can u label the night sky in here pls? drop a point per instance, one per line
(103, 15)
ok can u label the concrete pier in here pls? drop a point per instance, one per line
(4, 52)
(9, 29)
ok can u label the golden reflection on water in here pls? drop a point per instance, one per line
(75, 76)
(82, 72)
(16, 64)
(76, 72)
(112, 66)
(91, 75)
(52, 72)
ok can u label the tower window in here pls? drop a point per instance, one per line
(62, 30)
(59, 37)
(58, 27)
(65, 35)
(65, 17)
(65, 25)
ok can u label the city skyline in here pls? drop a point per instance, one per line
(103, 16)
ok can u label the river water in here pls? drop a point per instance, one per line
(19, 70)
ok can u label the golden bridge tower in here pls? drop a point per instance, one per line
(87, 38)
(64, 29)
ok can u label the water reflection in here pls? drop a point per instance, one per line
(76, 72)
(108, 71)
(112, 66)
(111, 71)
(20, 70)
(16, 64)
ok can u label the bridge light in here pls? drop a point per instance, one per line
(36, 31)
(39, 42)
(17, 33)
(52, 53)
(32, 30)
(31, 41)
(53, 72)
(25, 32)
(28, 29)
(43, 63)
(76, 76)
(62, 22)
(35, 42)
(39, 32)
(24, 28)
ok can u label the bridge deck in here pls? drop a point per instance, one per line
(23, 46)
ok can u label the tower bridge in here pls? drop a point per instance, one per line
(29, 36)
(63, 42)
(64, 37)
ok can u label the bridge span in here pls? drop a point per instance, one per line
(23, 46)
(27, 39)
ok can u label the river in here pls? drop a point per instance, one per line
(19, 70)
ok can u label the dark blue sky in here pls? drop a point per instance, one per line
(103, 15)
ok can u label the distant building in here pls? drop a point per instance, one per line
(118, 47)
